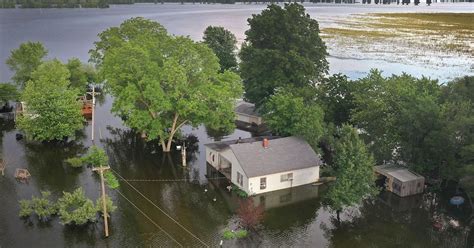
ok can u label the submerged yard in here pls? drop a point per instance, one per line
(433, 39)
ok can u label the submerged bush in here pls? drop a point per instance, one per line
(75, 162)
(75, 208)
(228, 234)
(96, 157)
(111, 180)
(41, 206)
(25, 208)
(241, 233)
(109, 204)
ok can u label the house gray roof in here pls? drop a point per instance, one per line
(246, 108)
(223, 145)
(398, 172)
(283, 154)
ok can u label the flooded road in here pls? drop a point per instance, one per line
(161, 192)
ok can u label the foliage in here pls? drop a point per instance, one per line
(353, 169)
(336, 96)
(223, 43)
(96, 157)
(289, 114)
(8, 92)
(75, 162)
(249, 215)
(239, 192)
(75, 208)
(111, 180)
(228, 234)
(400, 119)
(41, 206)
(162, 82)
(24, 61)
(282, 48)
(241, 233)
(26, 208)
(81, 74)
(109, 204)
(52, 111)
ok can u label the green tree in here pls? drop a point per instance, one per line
(24, 60)
(336, 95)
(353, 169)
(282, 48)
(162, 82)
(289, 114)
(223, 43)
(75, 208)
(400, 119)
(81, 74)
(8, 92)
(52, 111)
(98, 158)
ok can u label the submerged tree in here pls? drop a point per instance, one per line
(282, 48)
(353, 168)
(8, 92)
(24, 61)
(250, 215)
(223, 43)
(289, 114)
(52, 111)
(162, 82)
(76, 208)
(81, 75)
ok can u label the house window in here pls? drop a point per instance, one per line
(286, 177)
(263, 183)
(240, 179)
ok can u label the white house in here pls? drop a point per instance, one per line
(263, 164)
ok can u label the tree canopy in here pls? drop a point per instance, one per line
(287, 113)
(162, 82)
(353, 168)
(81, 74)
(336, 95)
(24, 60)
(52, 111)
(223, 43)
(282, 48)
(8, 92)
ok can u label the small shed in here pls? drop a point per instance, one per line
(400, 180)
(245, 113)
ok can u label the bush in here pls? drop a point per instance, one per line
(239, 192)
(228, 234)
(241, 233)
(25, 208)
(96, 157)
(111, 180)
(250, 215)
(75, 162)
(109, 204)
(41, 206)
(75, 208)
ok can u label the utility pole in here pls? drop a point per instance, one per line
(93, 94)
(104, 204)
(183, 154)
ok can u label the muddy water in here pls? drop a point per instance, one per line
(293, 218)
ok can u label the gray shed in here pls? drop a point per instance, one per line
(400, 180)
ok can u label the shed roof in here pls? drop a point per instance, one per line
(398, 172)
(283, 154)
(246, 108)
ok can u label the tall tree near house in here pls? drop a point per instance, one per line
(336, 96)
(287, 113)
(80, 74)
(162, 82)
(353, 168)
(223, 43)
(52, 111)
(24, 60)
(282, 48)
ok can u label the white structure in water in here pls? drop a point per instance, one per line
(259, 165)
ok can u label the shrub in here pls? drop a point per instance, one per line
(75, 208)
(75, 162)
(25, 208)
(108, 202)
(111, 180)
(249, 215)
(228, 234)
(239, 192)
(241, 233)
(96, 157)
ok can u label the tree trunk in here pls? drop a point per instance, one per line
(174, 128)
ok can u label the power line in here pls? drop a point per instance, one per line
(165, 180)
(150, 201)
(120, 193)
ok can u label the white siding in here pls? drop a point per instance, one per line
(209, 153)
(229, 155)
(249, 119)
(300, 177)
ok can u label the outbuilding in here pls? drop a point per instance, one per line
(400, 180)
(263, 164)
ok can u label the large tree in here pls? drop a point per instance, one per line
(24, 60)
(287, 113)
(223, 43)
(400, 118)
(81, 75)
(336, 95)
(353, 168)
(162, 82)
(52, 111)
(8, 92)
(282, 48)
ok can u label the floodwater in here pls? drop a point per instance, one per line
(149, 211)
